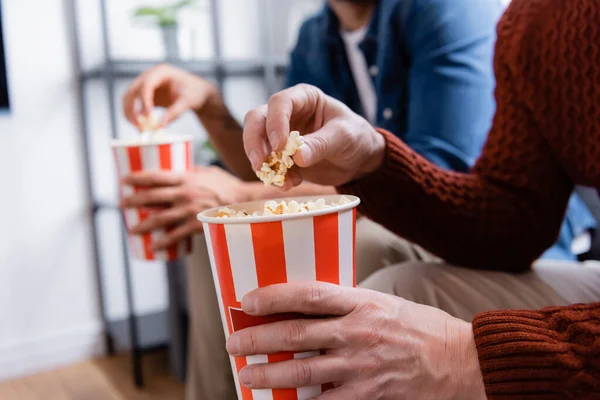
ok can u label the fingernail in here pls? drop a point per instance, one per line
(233, 345)
(248, 305)
(306, 154)
(274, 139)
(254, 160)
(246, 377)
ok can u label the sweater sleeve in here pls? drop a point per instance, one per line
(549, 354)
(501, 217)
(509, 208)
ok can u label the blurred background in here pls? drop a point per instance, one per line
(68, 292)
(63, 286)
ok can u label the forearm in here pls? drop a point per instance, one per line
(550, 353)
(258, 191)
(226, 136)
(474, 220)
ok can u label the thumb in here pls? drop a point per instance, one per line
(173, 112)
(317, 146)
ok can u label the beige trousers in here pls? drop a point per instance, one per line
(209, 374)
(463, 293)
(389, 264)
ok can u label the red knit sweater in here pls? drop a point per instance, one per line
(545, 138)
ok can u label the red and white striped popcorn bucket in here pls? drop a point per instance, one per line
(172, 154)
(252, 252)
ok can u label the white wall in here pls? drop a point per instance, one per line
(48, 313)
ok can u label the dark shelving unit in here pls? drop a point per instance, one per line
(109, 71)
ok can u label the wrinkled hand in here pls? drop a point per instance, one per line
(170, 87)
(339, 145)
(174, 199)
(378, 346)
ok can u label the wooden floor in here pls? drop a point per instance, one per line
(105, 379)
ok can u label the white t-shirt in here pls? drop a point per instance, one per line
(360, 71)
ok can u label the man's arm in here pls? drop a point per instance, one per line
(225, 134)
(296, 74)
(451, 81)
(493, 218)
(529, 354)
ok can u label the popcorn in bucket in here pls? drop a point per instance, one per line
(250, 247)
(158, 152)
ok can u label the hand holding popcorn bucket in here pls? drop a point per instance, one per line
(257, 244)
(158, 152)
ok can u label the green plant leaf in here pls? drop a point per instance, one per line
(167, 15)
(183, 3)
(167, 21)
(147, 12)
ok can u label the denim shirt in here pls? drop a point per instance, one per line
(431, 65)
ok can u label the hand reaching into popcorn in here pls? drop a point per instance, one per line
(339, 145)
(166, 86)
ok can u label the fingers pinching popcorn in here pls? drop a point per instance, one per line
(273, 171)
(148, 123)
(150, 129)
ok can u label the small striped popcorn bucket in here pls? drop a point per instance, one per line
(252, 252)
(173, 153)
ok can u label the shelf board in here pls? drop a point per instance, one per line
(132, 68)
(106, 205)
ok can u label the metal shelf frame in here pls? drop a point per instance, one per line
(111, 70)
(124, 69)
